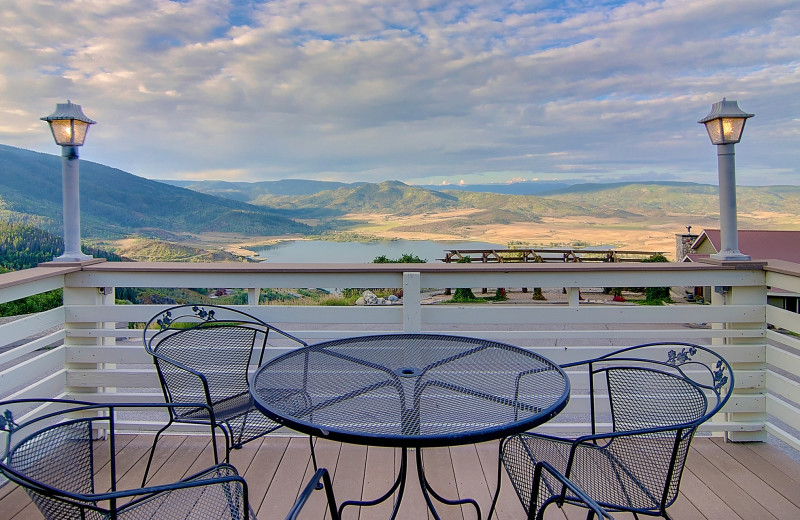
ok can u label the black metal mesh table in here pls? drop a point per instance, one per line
(411, 390)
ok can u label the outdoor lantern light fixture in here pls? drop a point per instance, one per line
(725, 122)
(69, 126)
(724, 125)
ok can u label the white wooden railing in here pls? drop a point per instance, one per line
(86, 350)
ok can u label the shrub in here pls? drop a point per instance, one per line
(406, 258)
(657, 294)
(32, 304)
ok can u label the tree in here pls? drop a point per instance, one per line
(657, 294)
(406, 258)
(464, 294)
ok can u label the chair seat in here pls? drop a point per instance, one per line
(610, 474)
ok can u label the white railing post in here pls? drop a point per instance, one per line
(412, 306)
(83, 296)
(253, 293)
(108, 298)
(750, 377)
(573, 296)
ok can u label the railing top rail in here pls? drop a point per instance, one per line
(34, 274)
(235, 267)
(783, 267)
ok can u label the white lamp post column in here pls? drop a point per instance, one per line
(725, 124)
(69, 126)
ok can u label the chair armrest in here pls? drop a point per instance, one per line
(287, 335)
(199, 375)
(231, 496)
(323, 474)
(585, 439)
(164, 359)
(568, 485)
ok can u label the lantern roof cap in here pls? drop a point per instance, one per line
(725, 108)
(68, 110)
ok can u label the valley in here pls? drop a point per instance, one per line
(201, 221)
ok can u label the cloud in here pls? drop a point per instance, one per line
(405, 89)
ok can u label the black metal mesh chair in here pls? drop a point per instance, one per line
(655, 395)
(57, 458)
(204, 353)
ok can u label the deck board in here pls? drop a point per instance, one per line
(721, 480)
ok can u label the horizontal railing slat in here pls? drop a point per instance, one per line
(540, 314)
(783, 435)
(52, 386)
(789, 342)
(16, 292)
(783, 386)
(32, 324)
(54, 339)
(783, 281)
(785, 412)
(782, 318)
(467, 314)
(39, 366)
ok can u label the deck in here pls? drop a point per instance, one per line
(722, 480)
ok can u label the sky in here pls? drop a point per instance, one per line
(421, 91)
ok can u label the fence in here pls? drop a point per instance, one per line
(85, 349)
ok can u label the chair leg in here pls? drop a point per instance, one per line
(499, 478)
(228, 441)
(314, 459)
(152, 451)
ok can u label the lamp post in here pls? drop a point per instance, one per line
(69, 126)
(724, 125)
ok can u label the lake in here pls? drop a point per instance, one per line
(361, 252)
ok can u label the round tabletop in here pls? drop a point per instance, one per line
(410, 390)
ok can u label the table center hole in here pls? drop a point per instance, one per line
(408, 372)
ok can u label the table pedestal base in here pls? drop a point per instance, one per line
(427, 490)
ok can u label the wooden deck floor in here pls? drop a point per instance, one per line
(722, 480)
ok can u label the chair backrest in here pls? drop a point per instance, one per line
(56, 453)
(52, 455)
(218, 343)
(659, 394)
(642, 398)
(662, 384)
(59, 457)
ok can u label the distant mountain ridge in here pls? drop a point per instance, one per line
(116, 203)
(506, 188)
(253, 191)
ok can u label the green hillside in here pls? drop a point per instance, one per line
(634, 201)
(23, 247)
(386, 197)
(261, 192)
(116, 203)
(652, 199)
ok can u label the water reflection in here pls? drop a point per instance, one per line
(362, 252)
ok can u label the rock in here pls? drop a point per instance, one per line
(361, 301)
(370, 298)
(393, 298)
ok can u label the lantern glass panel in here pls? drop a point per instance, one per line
(69, 132)
(714, 128)
(725, 130)
(732, 128)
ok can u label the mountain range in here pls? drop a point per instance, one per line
(116, 204)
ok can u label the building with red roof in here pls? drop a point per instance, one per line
(758, 245)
